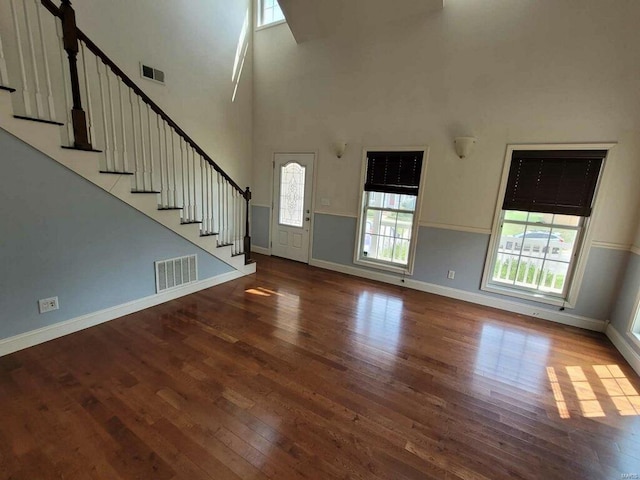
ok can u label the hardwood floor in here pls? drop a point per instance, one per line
(302, 373)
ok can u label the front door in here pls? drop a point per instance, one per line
(292, 192)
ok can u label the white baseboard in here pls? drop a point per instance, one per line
(624, 347)
(50, 332)
(261, 250)
(478, 298)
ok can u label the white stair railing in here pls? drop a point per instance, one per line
(132, 133)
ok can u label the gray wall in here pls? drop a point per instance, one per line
(623, 310)
(441, 250)
(63, 236)
(260, 218)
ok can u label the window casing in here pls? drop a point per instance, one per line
(391, 198)
(269, 13)
(542, 222)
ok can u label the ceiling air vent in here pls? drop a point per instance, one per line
(152, 73)
(176, 272)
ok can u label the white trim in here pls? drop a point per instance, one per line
(269, 25)
(582, 250)
(413, 243)
(635, 250)
(458, 228)
(57, 330)
(260, 205)
(623, 346)
(336, 214)
(477, 298)
(261, 250)
(611, 246)
(275, 212)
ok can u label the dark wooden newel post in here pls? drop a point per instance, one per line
(71, 46)
(247, 237)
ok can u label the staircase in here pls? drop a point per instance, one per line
(62, 95)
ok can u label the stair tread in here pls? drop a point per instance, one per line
(8, 89)
(82, 149)
(170, 208)
(116, 173)
(39, 120)
(191, 222)
(145, 191)
(220, 245)
(208, 234)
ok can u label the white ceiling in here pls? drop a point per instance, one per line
(311, 19)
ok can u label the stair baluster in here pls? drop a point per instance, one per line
(47, 70)
(34, 64)
(65, 86)
(26, 94)
(161, 157)
(123, 131)
(4, 73)
(87, 89)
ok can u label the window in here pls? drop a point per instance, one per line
(391, 198)
(542, 222)
(269, 12)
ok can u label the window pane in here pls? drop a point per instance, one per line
(511, 238)
(404, 226)
(535, 255)
(271, 12)
(392, 200)
(529, 271)
(408, 202)
(292, 179)
(375, 199)
(515, 215)
(537, 217)
(387, 226)
(569, 220)
(554, 276)
(401, 251)
(505, 268)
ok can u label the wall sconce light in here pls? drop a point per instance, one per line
(339, 148)
(464, 146)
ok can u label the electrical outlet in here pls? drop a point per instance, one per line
(451, 275)
(48, 304)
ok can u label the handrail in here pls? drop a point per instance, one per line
(71, 36)
(49, 5)
(129, 83)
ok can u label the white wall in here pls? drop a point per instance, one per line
(194, 42)
(504, 71)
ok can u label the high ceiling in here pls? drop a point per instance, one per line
(311, 19)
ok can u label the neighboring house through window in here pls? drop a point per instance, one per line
(269, 13)
(541, 226)
(389, 213)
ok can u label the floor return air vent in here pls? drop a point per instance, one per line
(176, 272)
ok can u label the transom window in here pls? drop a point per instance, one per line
(548, 199)
(389, 209)
(269, 12)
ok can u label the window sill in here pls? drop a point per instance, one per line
(384, 266)
(635, 338)
(533, 297)
(269, 25)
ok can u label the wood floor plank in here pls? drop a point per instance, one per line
(301, 373)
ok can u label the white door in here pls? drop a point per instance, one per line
(292, 193)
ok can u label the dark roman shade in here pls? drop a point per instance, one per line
(553, 181)
(394, 172)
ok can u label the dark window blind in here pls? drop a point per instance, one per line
(394, 172)
(553, 181)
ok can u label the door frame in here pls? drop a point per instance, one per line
(312, 207)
